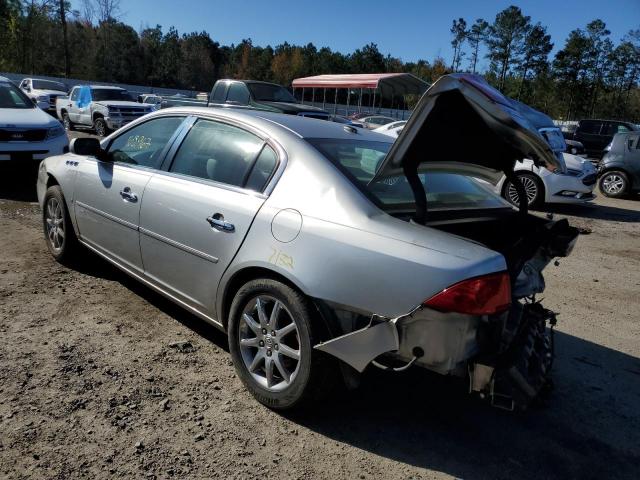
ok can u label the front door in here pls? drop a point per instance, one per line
(108, 194)
(195, 216)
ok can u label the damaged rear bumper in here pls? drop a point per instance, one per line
(507, 357)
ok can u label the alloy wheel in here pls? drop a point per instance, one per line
(269, 343)
(101, 131)
(530, 188)
(66, 122)
(613, 184)
(54, 217)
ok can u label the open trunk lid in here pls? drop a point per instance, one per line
(463, 125)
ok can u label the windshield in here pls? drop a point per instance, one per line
(102, 94)
(12, 97)
(270, 93)
(48, 85)
(359, 160)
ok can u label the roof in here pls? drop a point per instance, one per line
(301, 126)
(392, 83)
(4, 79)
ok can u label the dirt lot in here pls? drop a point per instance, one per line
(90, 386)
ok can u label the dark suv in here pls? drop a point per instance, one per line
(595, 135)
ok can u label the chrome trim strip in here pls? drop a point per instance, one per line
(179, 245)
(132, 226)
(153, 286)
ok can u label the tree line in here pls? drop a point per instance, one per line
(590, 76)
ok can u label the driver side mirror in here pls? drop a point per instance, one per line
(89, 147)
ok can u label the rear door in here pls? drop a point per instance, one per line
(632, 158)
(196, 215)
(108, 195)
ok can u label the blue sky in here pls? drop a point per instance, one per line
(409, 29)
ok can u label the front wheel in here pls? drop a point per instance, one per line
(59, 234)
(532, 186)
(271, 338)
(614, 184)
(68, 124)
(100, 126)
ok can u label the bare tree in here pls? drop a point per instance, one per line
(62, 10)
(107, 9)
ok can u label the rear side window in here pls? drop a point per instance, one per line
(218, 93)
(217, 151)
(590, 127)
(238, 93)
(143, 144)
(262, 170)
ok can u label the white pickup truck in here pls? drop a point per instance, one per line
(45, 92)
(100, 107)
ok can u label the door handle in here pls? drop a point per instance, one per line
(127, 195)
(217, 221)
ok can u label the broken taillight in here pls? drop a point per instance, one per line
(484, 295)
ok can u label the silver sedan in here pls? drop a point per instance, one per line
(321, 249)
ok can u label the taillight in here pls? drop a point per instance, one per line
(484, 295)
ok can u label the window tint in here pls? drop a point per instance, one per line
(74, 94)
(238, 93)
(217, 151)
(590, 127)
(218, 93)
(143, 144)
(262, 170)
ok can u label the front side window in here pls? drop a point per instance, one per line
(12, 97)
(238, 93)
(74, 94)
(217, 151)
(143, 144)
(359, 160)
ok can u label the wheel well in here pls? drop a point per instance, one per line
(611, 169)
(51, 180)
(62, 112)
(324, 314)
(97, 115)
(527, 172)
(244, 276)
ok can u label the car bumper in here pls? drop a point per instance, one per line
(570, 189)
(33, 151)
(115, 123)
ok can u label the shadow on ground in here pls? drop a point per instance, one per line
(589, 429)
(18, 183)
(598, 212)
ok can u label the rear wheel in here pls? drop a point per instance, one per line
(614, 184)
(532, 186)
(66, 121)
(271, 338)
(59, 234)
(100, 126)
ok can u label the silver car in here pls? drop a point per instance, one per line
(315, 246)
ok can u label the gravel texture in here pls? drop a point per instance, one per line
(102, 378)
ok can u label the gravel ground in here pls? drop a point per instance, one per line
(102, 378)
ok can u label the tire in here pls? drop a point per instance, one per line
(100, 127)
(533, 186)
(294, 382)
(68, 124)
(58, 231)
(614, 184)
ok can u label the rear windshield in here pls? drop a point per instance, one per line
(359, 159)
(12, 97)
(270, 93)
(102, 94)
(48, 85)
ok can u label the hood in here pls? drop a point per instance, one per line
(124, 103)
(573, 162)
(292, 107)
(26, 118)
(463, 125)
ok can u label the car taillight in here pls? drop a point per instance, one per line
(484, 295)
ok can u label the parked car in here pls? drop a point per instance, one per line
(251, 94)
(375, 121)
(102, 108)
(151, 99)
(595, 135)
(44, 91)
(27, 134)
(392, 129)
(345, 121)
(620, 168)
(287, 233)
(572, 184)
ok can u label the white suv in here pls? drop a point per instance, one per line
(27, 134)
